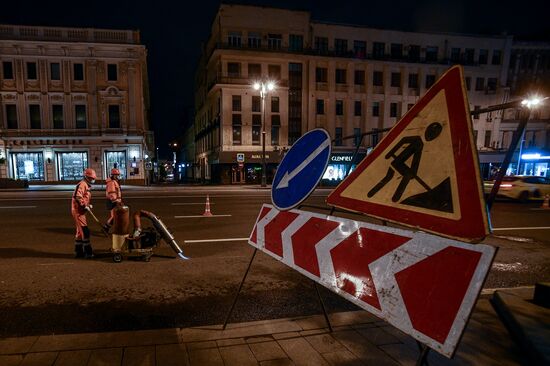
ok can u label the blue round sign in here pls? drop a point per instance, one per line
(301, 169)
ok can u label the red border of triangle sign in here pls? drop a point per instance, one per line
(471, 223)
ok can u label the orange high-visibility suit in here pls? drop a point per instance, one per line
(81, 199)
(114, 195)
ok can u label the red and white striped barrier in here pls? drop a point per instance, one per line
(420, 283)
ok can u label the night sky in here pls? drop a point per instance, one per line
(173, 32)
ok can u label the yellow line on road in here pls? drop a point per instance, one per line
(522, 228)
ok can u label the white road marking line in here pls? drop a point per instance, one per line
(189, 203)
(191, 216)
(213, 240)
(522, 228)
(54, 264)
(514, 238)
(490, 291)
(129, 196)
(10, 207)
(540, 209)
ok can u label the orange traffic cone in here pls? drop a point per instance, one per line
(546, 203)
(207, 207)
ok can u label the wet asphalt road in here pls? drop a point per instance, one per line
(44, 290)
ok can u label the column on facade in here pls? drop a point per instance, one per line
(330, 101)
(310, 97)
(370, 124)
(384, 113)
(22, 122)
(93, 95)
(404, 89)
(422, 80)
(349, 121)
(68, 110)
(516, 71)
(44, 97)
(132, 96)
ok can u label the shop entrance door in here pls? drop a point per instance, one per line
(237, 175)
(115, 159)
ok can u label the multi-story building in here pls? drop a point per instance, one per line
(72, 98)
(529, 75)
(346, 79)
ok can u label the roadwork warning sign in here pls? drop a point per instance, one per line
(425, 172)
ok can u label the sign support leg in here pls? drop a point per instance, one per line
(423, 357)
(322, 306)
(239, 290)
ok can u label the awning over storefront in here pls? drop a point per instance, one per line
(494, 157)
(248, 157)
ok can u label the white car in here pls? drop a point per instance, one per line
(521, 187)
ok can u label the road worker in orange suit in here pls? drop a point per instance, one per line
(80, 206)
(114, 196)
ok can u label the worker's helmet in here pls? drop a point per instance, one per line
(115, 171)
(90, 174)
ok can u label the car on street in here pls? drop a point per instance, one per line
(521, 187)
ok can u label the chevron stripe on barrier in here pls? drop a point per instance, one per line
(420, 283)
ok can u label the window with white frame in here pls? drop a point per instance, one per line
(234, 39)
(254, 40)
(274, 41)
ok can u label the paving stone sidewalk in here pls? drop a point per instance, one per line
(358, 339)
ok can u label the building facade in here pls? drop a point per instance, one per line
(346, 79)
(73, 98)
(529, 75)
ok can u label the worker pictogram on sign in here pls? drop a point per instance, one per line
(410, 147)
(425, 172)
(420, 283)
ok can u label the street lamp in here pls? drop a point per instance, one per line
(264, 87)
(528, 104)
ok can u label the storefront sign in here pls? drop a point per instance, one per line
(240, 158)
(341, 158)
(255, 156)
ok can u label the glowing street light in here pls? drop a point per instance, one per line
(264, 87)
(530, 103)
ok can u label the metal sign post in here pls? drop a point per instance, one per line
(508, 158)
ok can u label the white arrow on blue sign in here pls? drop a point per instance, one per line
(301, 169)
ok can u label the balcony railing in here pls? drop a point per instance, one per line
(330, 52)
(79, 132)
(26, 33)
(239, 80)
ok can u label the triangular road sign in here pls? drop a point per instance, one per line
(425, 172)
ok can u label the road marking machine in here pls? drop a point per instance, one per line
(141, 243)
